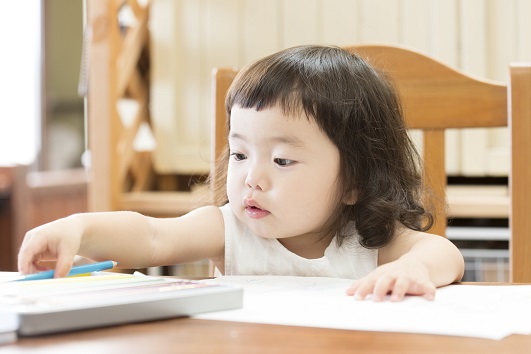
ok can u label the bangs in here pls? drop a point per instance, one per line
(291, 81)
(268, 84)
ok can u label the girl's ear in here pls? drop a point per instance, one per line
(351, 198)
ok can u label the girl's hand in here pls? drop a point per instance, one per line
(400, 277)
(58, 241)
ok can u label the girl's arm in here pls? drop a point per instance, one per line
(131, 239)
(413, 263)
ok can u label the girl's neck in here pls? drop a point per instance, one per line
(310, 246)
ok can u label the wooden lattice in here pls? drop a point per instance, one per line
(117, 37)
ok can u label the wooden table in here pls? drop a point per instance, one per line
(187, 335)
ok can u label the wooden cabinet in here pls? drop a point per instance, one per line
(30, 199)
(6, 216)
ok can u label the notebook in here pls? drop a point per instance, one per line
(106, 299)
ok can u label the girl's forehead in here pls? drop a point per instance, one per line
(272, 124)
(271, 116)
(276, 111)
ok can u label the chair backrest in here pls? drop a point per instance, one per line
(221, 80)
(436, 97)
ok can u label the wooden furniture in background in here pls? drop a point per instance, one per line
(30, 199)
(122, 177)
(221, 80)
(7, 259)
(436, 97)
(45, 196)
(189, 38)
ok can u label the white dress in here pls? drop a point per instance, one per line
(248, 254)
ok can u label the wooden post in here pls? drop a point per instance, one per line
(520, 177)
(101, 103)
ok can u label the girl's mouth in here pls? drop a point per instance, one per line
(254, 211)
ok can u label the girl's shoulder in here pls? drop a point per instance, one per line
(231, 223)
(227, 214)
(404, 240)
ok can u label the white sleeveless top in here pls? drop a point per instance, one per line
(248, 254)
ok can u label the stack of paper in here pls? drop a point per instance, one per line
(459, 310)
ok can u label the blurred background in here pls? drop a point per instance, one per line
(43, 124)
(41, 113)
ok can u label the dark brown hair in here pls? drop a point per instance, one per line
(359, 110)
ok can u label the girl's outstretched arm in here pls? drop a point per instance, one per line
(131, 239)
(413, 263)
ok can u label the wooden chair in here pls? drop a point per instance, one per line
(436, 97)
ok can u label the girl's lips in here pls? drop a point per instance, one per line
(256, 213)
(254, 210)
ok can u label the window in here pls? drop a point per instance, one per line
(20, 103)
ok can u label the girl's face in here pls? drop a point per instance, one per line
(282, 173)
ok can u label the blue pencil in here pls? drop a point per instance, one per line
(82, 269)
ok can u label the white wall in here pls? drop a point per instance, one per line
(190, 37)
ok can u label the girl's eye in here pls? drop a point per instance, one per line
(238, 156)
(283, 162)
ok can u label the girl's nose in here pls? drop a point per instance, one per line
(255, 179)
(252, 185)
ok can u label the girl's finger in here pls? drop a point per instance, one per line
(382, 286)
(364, 289)
(400, 289)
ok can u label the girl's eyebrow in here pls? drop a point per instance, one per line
(283, 139)
(236, 136)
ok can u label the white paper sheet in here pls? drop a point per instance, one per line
(492, 312)
(9, 276)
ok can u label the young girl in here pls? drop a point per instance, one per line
(321, 180)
